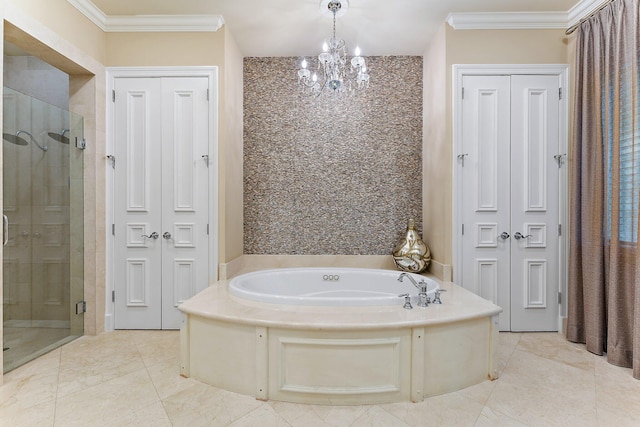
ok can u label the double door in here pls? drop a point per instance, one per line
(509, 168)
(161, 198)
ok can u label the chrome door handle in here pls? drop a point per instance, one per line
(153, 235)
(519, 236)
(166, 235)
(5, 230)
(504, 235)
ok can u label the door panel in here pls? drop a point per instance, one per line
(184, 193)
(535, 205)
(137, 204)
(485, 193)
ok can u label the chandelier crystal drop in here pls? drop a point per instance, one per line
(333, 72)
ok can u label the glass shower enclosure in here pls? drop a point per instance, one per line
(43, 227)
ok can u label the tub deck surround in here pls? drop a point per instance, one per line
(338, 355)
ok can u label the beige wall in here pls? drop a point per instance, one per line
(60, 17)
(164, 49)
(436, 183)
(231, 219)
(467, 47)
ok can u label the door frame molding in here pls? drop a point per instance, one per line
(459, 71)
(112, 73)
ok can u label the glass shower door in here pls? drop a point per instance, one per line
(42, 207)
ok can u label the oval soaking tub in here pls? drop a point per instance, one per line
(328, 286)
(338, 354)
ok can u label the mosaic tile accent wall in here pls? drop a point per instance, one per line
(331, 175)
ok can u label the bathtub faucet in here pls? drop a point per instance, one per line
(423, 300)
(403, 275)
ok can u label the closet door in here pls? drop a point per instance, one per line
(534, 203)
(185, 198)
(138, 204)
(161, 198)
(509, 197)
(485, 197)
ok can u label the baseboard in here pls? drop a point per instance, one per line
(108, 323)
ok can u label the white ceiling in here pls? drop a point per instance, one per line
(297, 27)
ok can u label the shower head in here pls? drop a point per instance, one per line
(14, 139)
(60, 137)
(43, 148)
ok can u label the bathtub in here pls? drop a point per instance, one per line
(327, 286)
(241, 336)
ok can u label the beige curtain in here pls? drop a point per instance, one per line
(604, 261)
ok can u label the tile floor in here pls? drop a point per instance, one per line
(21, 343)
(130, 378)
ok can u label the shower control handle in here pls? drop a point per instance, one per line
(153, 235)
(166, 235)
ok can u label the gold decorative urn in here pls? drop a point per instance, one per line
(412, 254)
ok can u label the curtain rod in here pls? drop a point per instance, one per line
(575, 26)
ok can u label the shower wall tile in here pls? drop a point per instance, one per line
(331, 174)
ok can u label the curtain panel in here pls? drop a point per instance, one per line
(604, 259)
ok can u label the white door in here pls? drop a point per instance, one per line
(509, 196)
(161, 198)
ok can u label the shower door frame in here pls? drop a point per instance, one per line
(112, 74)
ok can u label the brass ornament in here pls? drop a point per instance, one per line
(412, 254)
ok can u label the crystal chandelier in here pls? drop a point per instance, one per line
(332, 71)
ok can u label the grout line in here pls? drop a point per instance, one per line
(55, 400)
(146, 367)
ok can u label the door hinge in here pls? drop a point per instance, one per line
(81, 307)
(112, 159)
(113, 296)
(113, 95)
(559, 229)
(207, 94)
(113, 229)
(560, 93)
(463, 229)
(559, 297)
(463, 93)
(207, 229)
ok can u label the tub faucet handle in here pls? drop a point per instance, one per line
(407, 301)
(436, 297)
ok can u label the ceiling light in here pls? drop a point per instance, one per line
(333, 72)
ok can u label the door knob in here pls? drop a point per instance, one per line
(153, 235)
(166, 235)
(519, 236)
(504, 235)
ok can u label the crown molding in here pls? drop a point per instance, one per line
(507, 20)
(524, 20)
(147, 23)
(164, 23)
(91, 11)
(581, 9)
